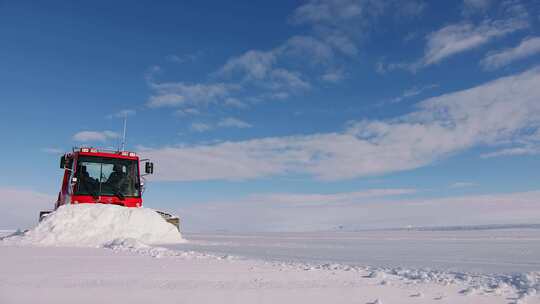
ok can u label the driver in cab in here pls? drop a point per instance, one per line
(117, 178)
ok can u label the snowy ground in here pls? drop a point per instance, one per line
(483, 251)
(135, 273)
(89, 275)
(85, 254)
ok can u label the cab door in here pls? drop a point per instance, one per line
(64, 197)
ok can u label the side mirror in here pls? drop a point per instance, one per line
(62, 162)
(149, 168)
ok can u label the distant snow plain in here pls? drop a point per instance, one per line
(457, 266)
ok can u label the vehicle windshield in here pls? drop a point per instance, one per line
(107, 176)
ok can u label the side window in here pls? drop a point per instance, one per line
(69, 165)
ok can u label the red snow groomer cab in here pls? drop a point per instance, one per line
(96, 176)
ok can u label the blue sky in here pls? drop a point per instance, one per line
(249, 107)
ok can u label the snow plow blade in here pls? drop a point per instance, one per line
(171, 219)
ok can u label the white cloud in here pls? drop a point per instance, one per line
(411, 8)
(163, 100)
(179, 93)
(334, 76)
(231, 122)
(527, 47)
(286, 69)
(259, 68)
(414, 91)
(363, 13)
(254, 64)
(187, 111)
(302, 46)
(21, 207)
(471, 6)
(462, 184)
(89, 136)
(184, 58)
(341, 43)
(341, 25)
(516, 151)
(316, 212)
(486, 115)
(458, 38)
(283, 79)
(234, 102)
(464, 36)
(228, 122)
(327, 11)
(200, 127)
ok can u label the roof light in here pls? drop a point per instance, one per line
(125, 153)
(85, 150)
(132, 154)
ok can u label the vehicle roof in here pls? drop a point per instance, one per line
(106, 154)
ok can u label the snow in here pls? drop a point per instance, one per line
(483, 251)
(99, 225)
(58, 262)
(4, 232)
(125, 273)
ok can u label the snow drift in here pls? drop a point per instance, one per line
(97, 225)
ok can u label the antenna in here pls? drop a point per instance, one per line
(123, 144)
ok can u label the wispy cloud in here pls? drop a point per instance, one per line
(292, 67)
(94, 136)
(458, 38)
(187, 112)
(414, 91)
(474, 6)
(227, 122)
(466, 35)
(499, 111)
(339, 13)
(515, 151)
(200, 127)
(333, 76)
(252, 64)
(462, 185)
(174, 94)
(231, 122)
(259, 68)
(184, 58)
(528, 47)
(235, 102)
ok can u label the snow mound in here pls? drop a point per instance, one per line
(96, 225)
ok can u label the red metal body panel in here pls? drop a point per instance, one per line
(105, 199)
(106, 154)
(67, 196)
